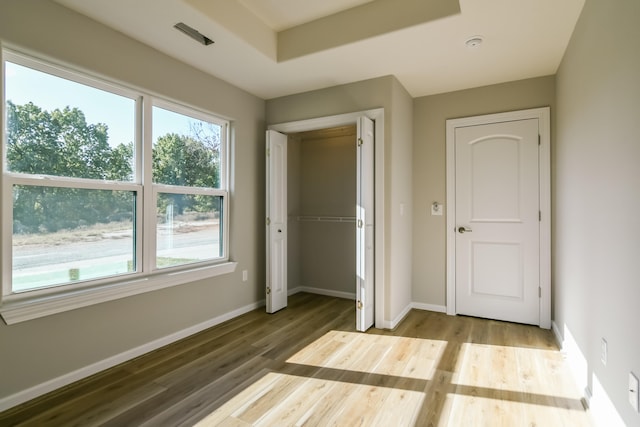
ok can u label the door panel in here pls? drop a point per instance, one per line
(495, 163)
(365, 225)
(276, 207)
(497, 225)
(505, 281)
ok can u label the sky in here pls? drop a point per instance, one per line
(23, 85)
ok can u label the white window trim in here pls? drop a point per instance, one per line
(19, 307)
(22, 306)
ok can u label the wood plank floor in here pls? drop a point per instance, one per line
(306, 365)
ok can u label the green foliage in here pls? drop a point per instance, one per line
(39, 209)
(62, 143)
(182, 160)
(120, 161)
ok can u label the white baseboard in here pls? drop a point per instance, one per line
(429, 307)
(557, 334)
(601, 409)
(391, 324)
(576, 361)
(321, 291)
(385, 325)
(66, 379)
(294, 291)
(400, 317)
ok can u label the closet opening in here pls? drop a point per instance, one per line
(321, 199)
(325, 212)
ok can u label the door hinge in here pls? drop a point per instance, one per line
(539, 140)
(539, 215)
(359, 305)
(268, 290)
(268, 221)
(360, 142)
(539, 292)
(359, 223)
(268, 152)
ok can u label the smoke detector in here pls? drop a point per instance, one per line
(474, 42)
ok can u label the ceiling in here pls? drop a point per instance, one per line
(282, 14)
(273, 48)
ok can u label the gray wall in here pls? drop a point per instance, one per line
(429, 117)
(328, 188)
(399, 203)
(321, 182)
(596, 243)
(39, 350)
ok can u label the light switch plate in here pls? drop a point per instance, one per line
(633, 391)
(436, 208)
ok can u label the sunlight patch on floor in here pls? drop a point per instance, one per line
(282, 399)
(376, 354)
(351, 378)
(515, 369)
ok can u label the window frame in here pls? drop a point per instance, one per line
(167, 189)
(180, 189)
(29, 304)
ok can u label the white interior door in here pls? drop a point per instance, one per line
(497, 228)
(276, 208)
(365, 225)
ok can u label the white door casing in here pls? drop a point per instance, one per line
(276, 208)
(378, 247)
(365, 225)
(498, 217)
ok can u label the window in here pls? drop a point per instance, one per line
(188, 176)
(88, 201)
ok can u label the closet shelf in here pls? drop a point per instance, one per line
(308, 218)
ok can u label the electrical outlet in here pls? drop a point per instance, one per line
(603, 352)
(633, 391)
(245, 275)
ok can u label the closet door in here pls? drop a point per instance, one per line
(276, 207)
(365, 225)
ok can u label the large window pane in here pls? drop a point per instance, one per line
(71, 147)
(186, 151)
(63, 128)
(188, 229)
(64, 235)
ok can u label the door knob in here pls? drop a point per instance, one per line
(464, 230)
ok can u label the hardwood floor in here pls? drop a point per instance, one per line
(306, 365)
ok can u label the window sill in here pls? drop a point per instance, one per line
(23, 307)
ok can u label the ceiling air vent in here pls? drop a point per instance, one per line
(193, 33)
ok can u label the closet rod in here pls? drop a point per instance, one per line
(314, 218)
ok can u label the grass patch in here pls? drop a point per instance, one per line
(90, 233)
(163, 262)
